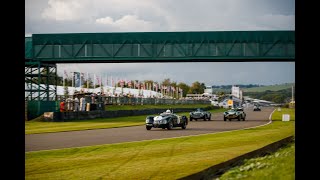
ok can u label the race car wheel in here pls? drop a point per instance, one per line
(224, 118)
(209, 118)
(244, 118)
(170, 125)
(148, 127)
(184, 126)
(239, 118)
(190, 118)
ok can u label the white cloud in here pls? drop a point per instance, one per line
(158, 15)
(60, 10)
(127, 23)
(106, 20)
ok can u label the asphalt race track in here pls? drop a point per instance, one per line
(47, 141)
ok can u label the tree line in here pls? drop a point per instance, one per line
(52, 79)
(281, 96)
(240, 85)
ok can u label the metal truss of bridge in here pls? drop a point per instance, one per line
(44, 51)
(163, 46)
(38, 76)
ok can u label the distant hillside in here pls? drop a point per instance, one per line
(217, 90)
(270, 88)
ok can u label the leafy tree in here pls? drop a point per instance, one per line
(197, 88)
(149, 83)
(203, 86)
(67, 82)
(279, 98)
(221, 95)
(185, 88)
(275, 96)
(84, 84)
(166, 82)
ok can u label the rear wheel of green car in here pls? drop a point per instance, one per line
(170, 125)
(184, 126)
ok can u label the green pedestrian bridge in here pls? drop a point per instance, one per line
(44, 51)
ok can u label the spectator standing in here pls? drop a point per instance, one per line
(82, 104)
(92, 98)
(76, 104)
(62, 106)
(67, 104)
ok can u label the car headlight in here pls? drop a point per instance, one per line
(164, 121)
(147, 120)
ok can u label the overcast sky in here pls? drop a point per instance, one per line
(75, 16)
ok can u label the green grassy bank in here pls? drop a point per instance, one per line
(279, 165)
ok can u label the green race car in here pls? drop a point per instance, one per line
(234, 113)
(200, 114)
(166, 120)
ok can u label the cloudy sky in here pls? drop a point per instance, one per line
(75, 16)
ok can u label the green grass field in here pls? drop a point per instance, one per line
(271, 88)
(154, 159)
(33, 127)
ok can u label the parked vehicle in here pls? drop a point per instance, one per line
(167, 120)
(234, 113)
(200, 114)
